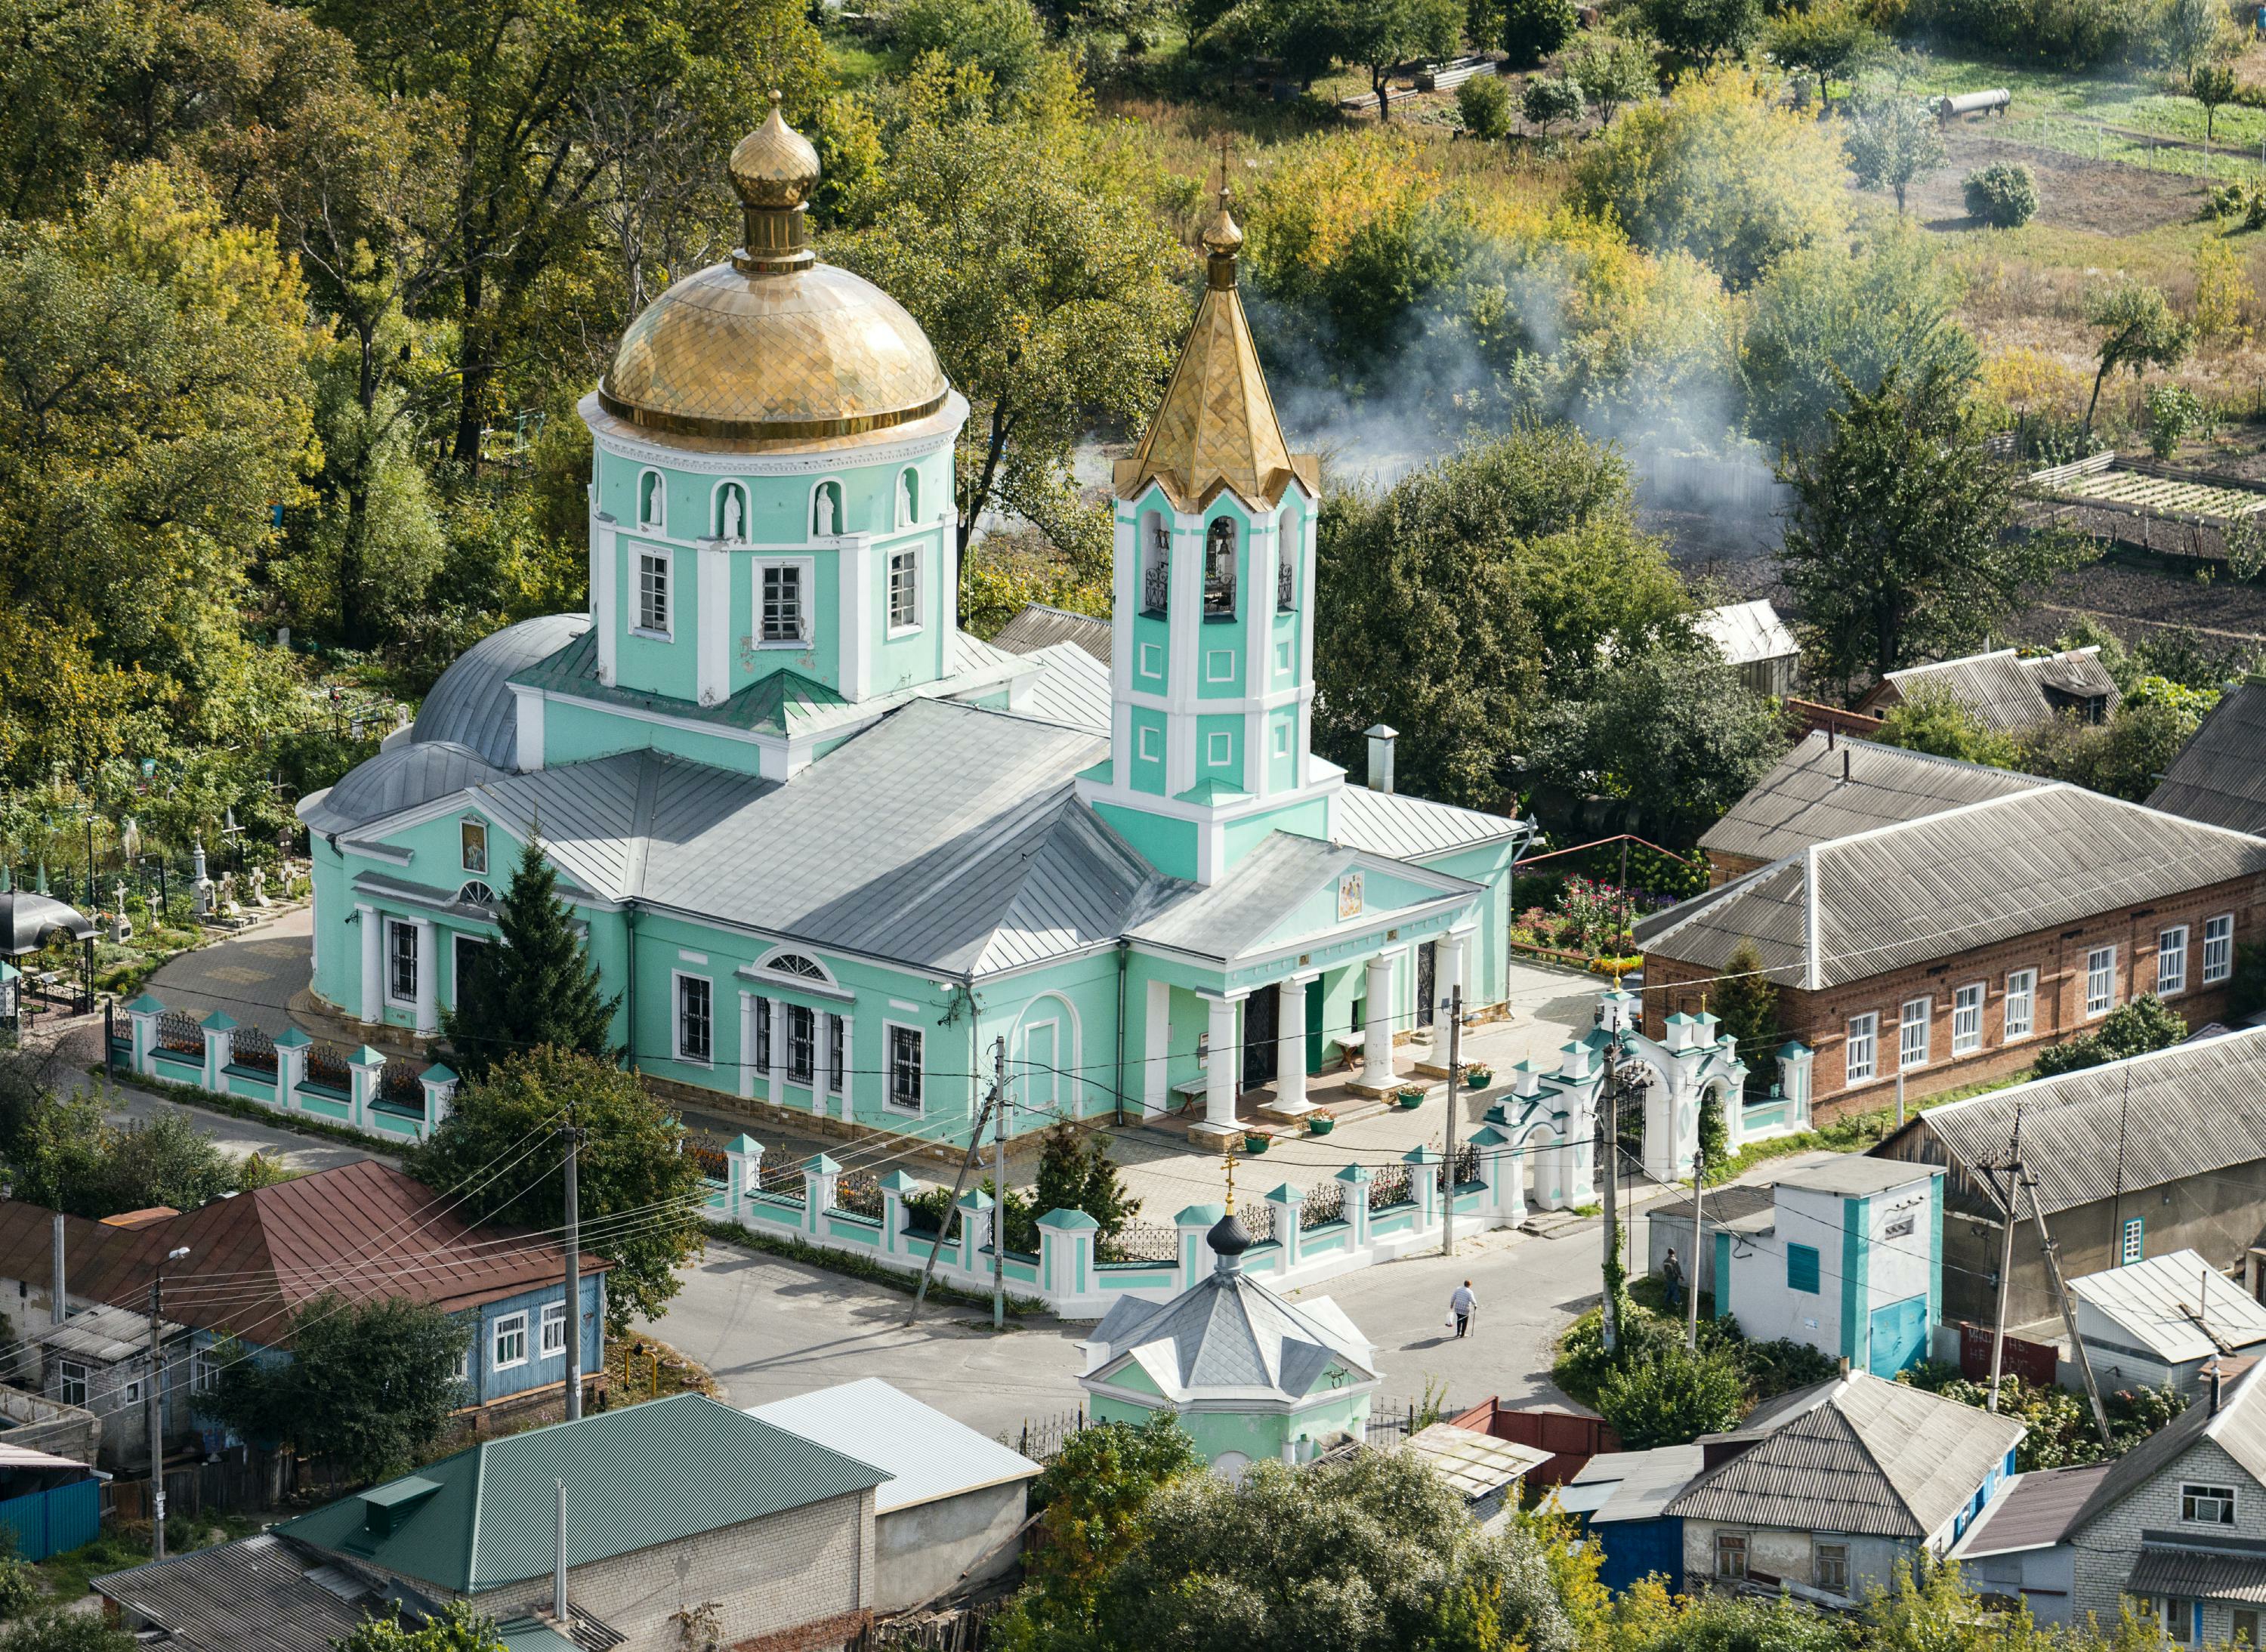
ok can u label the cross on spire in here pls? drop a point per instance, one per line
(1231, 1179)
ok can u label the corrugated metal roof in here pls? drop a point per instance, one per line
(1948, 883)
(2220, 774)
(1233, 916)
(2188, 1110)
(1073, 691)
(2239, 1426)
(1476, 1464)
(472, 705)
(1746, 633)
(1854, 1174)
(2198, 1574)
(108, 1334)
(1637, 1484)
(1412, 828)
(393, 781)
(636, 1477)
(2035, 1511)
(1854, 1454)
(928, 1455)
(2157, 1302)
(1038, 628)
(2006, 693)
(1820, 792)
(248, 1596)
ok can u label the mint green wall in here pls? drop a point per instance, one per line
(1485, 971)
(919, 656)
(658, 666)
(1165, 843)
(1153, 654)
(1147, 773)
(819, 658)
(337, 943)
(1283, 748)
(1305, 816)
(1224, 729)
(1257, 1435)
(575, 731)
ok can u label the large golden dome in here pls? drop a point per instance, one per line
(770, 345)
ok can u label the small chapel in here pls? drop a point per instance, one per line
(831, 850)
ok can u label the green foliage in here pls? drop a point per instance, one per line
(2246, 989)
(632, 1164)
(62, 1152)
(2212, 84)
(1672, 1396)
(2147, 1023)
(1612, 70)
(1004, 39)
(534, 988)
(1076, 1172)
(1929, 719)
(1533, 30)
(1649, 1618)
(1745, 1004)
(1373, 35)
(1448, 601)
(2067, 34)
(1483, 105)
(1689, 1394)
(1703, 29)
(369, 1384)
(1551, 99)
(19, 1587)
(1831, 39)
(1893, 140)
(2062, 1431)
(1897, 540)
(61, 1629)
(1721, 172)
(2174, 413)
(2137, 329)
(458, 1627)
(2126, 755)
(1092, 1501)
(2001, 194)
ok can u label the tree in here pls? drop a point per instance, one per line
(1533, 30)
(369, 1384)
(1076, 1172)
(1003, 38)
(1444, 603)
(60, 1629)
(1648, 1618)
(1829, 39)
(1896, 539)
(1372, 1553)
(1375, 35)
(631, 1166)
(458, 1627)
(2137, 329)
(66, 1155)
(1670, 729)
(1093, 1500)
(1892, 141)
(1483, 105)
(1720, 171)
(1672, 1396)
(2126, 755)
(1929, 719)
(1047, 290)
(1611, 70)
(1745, 1006)
(1550, 99)
(535, 987)
(1705, 29)
(2131, 1029)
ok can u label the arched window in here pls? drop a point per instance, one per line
(908, 497)
(731, 513)
(788, 963)
(1286, 579)
(476, 893)
(1156, 548)
(1219, 569)
(826, 510)
(652, 500)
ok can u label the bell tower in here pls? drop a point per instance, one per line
(1212, 678)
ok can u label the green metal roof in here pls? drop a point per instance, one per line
(532, 1635)
(636, 1477)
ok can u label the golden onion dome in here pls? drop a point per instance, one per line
(772, 344)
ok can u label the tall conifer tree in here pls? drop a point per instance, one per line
(537, 986)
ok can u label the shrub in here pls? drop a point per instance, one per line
(2133, 1029)
(1533, 29)
(19, 1587)
(1484, 103)
(2174, 413)
(1673, 1396)
(1551, 100)
(2002, 195)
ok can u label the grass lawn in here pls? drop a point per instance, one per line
(120, 1546)
(1852, 1133)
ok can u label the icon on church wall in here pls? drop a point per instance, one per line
(1348, 896)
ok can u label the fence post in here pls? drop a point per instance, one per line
(1506, 1201)
(440, 1095)
(362, 1069)
(1196, 1257)
(819, 1175)
(220, 1046)
(142, 1017)
(975, 1208)
(1286, 1200)
(1793, 1059)
(1356, 1178)
(1424, 1182)
(1066, 1255)
(743, 1160)
(897, 1188)
(290, 1067)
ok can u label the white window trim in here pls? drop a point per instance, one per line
(677, 978)
(2109, 1002)
(2213, 974)
(1927, 1026)
(497, 1331)
(667, 558)
(769, 963)
(1281, 739)
(1966, 1044)
(914, 627)
(2027, 998)
(1871, 1020)
(386, 962)
(2227, 1492)
(1219, 741)
(1149, 742)
(66, 1381)
(658, 523)
(1152, 660)
(463, 821)
(2179, 952)
(554, 1319)
(905, 518)
(889, 1101)
(809, 600)
(1212, 671)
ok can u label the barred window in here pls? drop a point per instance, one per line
(652, 592)
(801, 1043)
(905, 1068)
(696, 1020)
(904, 589)
(782, 602)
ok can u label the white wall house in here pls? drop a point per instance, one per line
(2163, 1319)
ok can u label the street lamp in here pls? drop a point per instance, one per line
(154, 1398)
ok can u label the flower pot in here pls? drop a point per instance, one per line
(1321, 1126)
(1253, 1145)
(1478, 1077)
(1409, 1100)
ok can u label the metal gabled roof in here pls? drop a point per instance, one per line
(1074, 689)
(2177, 1306)
(2006, 692)
(1411, 827)
(1242, 910)
(928, 1455)
(405, 778)
(1229, 1336)
(2220, 774)
(254, 1596)
(1037, 627)
(472, 706)
(1820, 790)
(1746, 633)
(636, 1477)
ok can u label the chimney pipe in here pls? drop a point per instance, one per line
(1380, 757)
(2216, 1378)
(559, 1563)
(1829, 736)
(1844, 765)
(59, 1306)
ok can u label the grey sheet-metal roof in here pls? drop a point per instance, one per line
(108, 1334)
(2199, 1574)
(2006, 693)
(393, 781)
(2220, 774)
(1038, 627)
(2035, 1511)
(2239, 1426)
(1854, 1454)
(1948, 883)
(1413, 828)
(1746, 633)
(472, 705)
(2189, 1110)
(1638, 1485)
(1226, 920)
(1820, 792)
(1073, 691)
(929, 1455)
(1229, 1337)
(28, 917)
(254, 1596)
(1476, 1464)
(1854, 1176)
(2163, 1304)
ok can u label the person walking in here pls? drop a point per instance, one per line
(1671, 1279)
(1462, 1304)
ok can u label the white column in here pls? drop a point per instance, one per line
(373, 962)
(747, 1045)
(606, 581)
(1221, 1070)
(853, 573)
(1290, 1043)
(776, 1053)
(1377, 1011)
(712, 661)
(1447, 972)
(428, 1014)
(849, 1064)
(1156, 1047)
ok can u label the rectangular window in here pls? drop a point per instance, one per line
(465, 1364)
(801, 1044)
(905, 1068)
(2171, 961)
(400, 961)
(132, 1393)
(653, 593)
(1911, 1032)
(904, 589)
(695, 1020)
(1831, 1570)
(472, 836)
(2218, 948)
(2101, 981)
(2179, 1620)
(554, 1330)
(204, 1376)
(2207, 1505)
(1967, 1020)
(1864, 1047)
(2021, 1003)
(1802, 1269)
(782, 618)
(70, 1384)
(2132, 1244)
(509, 1348)
(835, 1055)
(2244, 1629)
(763, 1035)
(1730, 1555)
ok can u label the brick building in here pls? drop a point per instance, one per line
(1951, 948)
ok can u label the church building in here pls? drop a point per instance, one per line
(827, 846)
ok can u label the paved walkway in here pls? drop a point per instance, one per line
(250, 976)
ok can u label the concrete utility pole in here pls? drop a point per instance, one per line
(2068, 1312)
(999, 1184)
(1691, 1267)
(958, 1186)
(1609, 1138)
(2012, 1166)
(154, 1405)
(1455, 1089)
(574, 1135)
